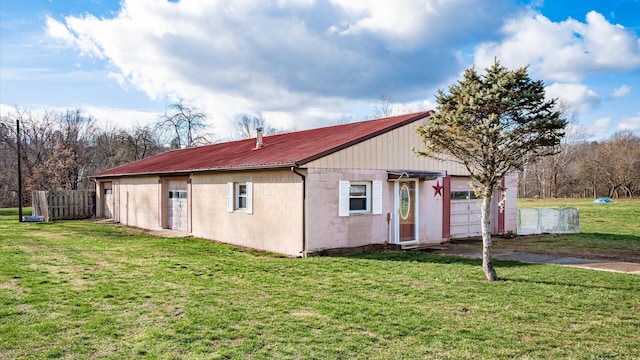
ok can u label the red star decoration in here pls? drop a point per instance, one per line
(438, 188)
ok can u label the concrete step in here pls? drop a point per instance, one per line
(424, 247)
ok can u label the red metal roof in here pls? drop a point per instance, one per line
(279, 151)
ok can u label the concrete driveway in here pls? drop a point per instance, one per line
(592, 264)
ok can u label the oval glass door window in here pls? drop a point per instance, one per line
(405, 202)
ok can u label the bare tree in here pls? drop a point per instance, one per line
(114, 146)
(61, 149)
(141, 143)
(184, 125)
(550, 176)
(8, 164)
(76, 134)
(247, 126)
(36, 137)
(55, 150)
(621, 168)
(383, 108)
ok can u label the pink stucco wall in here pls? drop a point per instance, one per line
(326, 230)
(277, 220)
(275, 224)
(430, 212)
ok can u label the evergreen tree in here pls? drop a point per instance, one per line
(492, 124)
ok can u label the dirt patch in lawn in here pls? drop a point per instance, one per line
(49, 235)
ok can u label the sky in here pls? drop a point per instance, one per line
(309, 63)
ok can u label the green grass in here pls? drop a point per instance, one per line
(622, 217)
(76, 290)
(606, 230)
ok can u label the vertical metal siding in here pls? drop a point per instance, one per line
(391, 150)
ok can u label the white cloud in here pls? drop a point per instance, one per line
(579, 130)
(104, 116)
(564, 51)
(577, 96)
(602, 123)
(6, 109)
(304, 63)
(413, 106)
(59, 31)
(285, 57)
(410, 23)
(400, 20)
(621, 91)
(123, 118)
(630, 123)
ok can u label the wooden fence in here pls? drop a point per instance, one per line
(64, 204)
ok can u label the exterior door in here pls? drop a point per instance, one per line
(406, 205)
(177, 205)
(107, 202)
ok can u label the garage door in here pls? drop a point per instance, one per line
(465, 211)
(177, 205)
(107, 203)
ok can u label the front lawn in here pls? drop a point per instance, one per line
(76, 289)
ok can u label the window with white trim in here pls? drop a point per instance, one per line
(240, 196)
(463, 195)
(360, 197)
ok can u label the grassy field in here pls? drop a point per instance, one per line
(76, 290)
(607, 231)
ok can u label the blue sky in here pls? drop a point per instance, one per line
(307, 63)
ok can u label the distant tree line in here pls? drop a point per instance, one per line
(61, 149)
(607, 168)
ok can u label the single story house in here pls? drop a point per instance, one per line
(299, 193)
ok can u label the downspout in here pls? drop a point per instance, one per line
(304, 210)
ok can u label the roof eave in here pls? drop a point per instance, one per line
(278, 166)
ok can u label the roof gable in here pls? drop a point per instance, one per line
(280, 150)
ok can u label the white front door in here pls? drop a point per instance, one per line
(177, 205)
(406, 203)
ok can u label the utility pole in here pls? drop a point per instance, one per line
(19, 172)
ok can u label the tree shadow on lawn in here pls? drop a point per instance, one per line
(580, 236)
(501, 264)
(619, 286)
(603, 246)
(416, 256)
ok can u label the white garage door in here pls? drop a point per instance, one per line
(107, 202)
(177, 206)
(465, 211)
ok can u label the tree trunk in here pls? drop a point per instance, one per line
(553, 186)
(487, 264)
